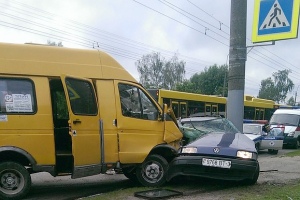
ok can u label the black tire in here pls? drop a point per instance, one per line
(255, 177)
(15, 181)
(130, 173)
(152, 172)
(257, 147)
(273, 151)
(297, 143)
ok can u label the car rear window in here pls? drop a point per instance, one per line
(285, 119)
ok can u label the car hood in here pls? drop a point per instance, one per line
(253, 137)
(228, 143)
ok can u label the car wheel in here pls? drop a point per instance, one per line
(130, 173)
(253, 180)
(152, 172)
(15, 181)
(273, 151)
(257, 147)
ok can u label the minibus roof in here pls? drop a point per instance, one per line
(45, 60)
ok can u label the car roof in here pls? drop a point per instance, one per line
(253, 124)
(287, 111)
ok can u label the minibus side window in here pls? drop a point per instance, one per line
(136, 104)
(82, 97)
(17, 96)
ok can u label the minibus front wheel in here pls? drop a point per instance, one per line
(15, 180)
(152, 172)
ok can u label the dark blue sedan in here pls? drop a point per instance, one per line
(215, 149)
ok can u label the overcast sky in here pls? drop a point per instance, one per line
(196, 30)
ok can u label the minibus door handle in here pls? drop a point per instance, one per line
(76, 121)
(115, 122)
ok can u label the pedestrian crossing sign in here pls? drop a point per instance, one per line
(275, 20)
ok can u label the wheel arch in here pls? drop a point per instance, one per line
(18, 155)
(164, 150)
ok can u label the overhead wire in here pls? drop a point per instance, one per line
(97, 30)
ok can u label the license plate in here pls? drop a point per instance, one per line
(216, 163)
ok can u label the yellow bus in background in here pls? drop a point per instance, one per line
(186, 104)
(79, 113)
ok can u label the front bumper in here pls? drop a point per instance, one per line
(290, 141)
(241, 169)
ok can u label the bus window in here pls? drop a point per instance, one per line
(222, 109)
(261, 114)
(175, 108)
(215, 110)
(183, 109)
(207, 109)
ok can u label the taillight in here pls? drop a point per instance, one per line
(298, 128)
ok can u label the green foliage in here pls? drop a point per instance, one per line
(156, 72)
(188, 86)
(62, 108)
(293, 153)
(291, 101)
(276, 89)
(212, 81)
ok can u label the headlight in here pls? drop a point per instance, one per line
(291, 134)
(189, 150)
(244, 154)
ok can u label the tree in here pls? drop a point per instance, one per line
(156, 72)
(187, 86)
(291, 101)
(51, 43)
(278, 88)
(173, 72)
(212, 81)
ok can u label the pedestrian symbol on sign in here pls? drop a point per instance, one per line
(275, 18)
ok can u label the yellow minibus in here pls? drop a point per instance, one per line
(80, 113)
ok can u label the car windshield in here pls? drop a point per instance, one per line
(251, 129)
(193, 129)
(285, 119)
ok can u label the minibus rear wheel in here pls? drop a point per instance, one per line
(15, 181)
(152, 172)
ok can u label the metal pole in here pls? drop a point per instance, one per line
(296, 95)
(237, 59)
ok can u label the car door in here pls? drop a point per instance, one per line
(83, 125)
(273, 140)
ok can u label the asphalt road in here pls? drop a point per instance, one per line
(44, 186)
